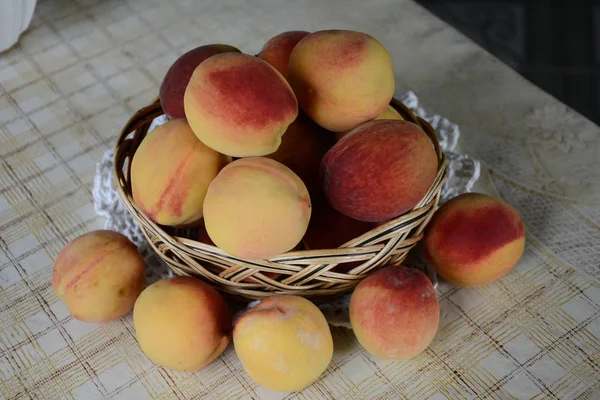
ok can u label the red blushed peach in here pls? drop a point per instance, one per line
(239, 105)
(395, 313)
(474, 239)
(278, 49)
(179, 74)
(380, 170)
(302, 147)
(99, 275)
(341, 78)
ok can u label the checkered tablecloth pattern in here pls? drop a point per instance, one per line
(85, 66)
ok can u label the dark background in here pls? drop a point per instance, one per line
(553, 43)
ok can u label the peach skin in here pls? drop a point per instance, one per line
(389, 113)
(170, 173)
(256, 208)
(182, 323)
(99, 275)
(239, 105)
(379, 170)
(329, 229)
(474, 239)
(302, 147)
(178, 76)
(283, 343)
(277, 50)
(341, 78)
(395, 313)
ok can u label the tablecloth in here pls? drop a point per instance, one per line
(85, 66)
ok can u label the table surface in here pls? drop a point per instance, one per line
(85, 66)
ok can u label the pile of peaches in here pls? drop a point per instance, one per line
(296, 147)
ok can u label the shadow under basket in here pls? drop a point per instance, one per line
(307, 273)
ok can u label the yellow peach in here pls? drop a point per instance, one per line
(256, 208)
(341, 78)
(170, 173)
(283, 343)
(99, 275)
(182, 323)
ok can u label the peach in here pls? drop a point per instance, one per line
(329, 229)
(178, 76)
(278, 49)
(99, 275)
(474, 239)
(379, 170)
(395, 313)
(389, 113)
(302, 147)
(256, 208)
(239, 105)
(182, 323)
(170, 173)
(341, 78)
(283, 343)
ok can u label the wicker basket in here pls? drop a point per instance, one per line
(305, 273)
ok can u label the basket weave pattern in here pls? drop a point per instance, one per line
(307, 273)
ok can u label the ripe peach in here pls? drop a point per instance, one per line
(239, 105)
(395, 313)
(474, 239)
(170, 173)
(278, 49)
(329, 229)
(341, 78)
(256, 208)
(379, 170)
(389, 113)
(182, 323)
(283, 343)
(178, 76)
(302, 147)
(98, 275)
